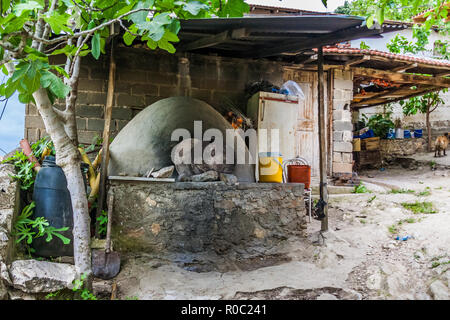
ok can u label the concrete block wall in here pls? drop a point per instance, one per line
(342, 122)
(144, 77)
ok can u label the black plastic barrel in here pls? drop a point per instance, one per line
(52, 199)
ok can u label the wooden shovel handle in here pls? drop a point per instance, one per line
(108, 230)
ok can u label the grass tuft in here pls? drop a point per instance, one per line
(419, 207)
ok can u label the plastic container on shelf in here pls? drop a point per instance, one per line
(270, 167)
(299, 174)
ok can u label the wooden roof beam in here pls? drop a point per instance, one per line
(443, 74)
(403, 68)
(382, 94)
(357, 60)
(405, 78)
(373, 103)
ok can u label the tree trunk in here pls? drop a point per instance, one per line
(68, 159)
(428, 130)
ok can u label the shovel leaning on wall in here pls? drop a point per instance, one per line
(106, 263)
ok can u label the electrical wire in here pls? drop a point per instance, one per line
(4, 107)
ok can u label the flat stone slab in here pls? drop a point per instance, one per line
(34, 276)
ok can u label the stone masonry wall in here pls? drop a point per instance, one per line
(342, 122)
(9, 204)
(186, 217)
(393, 148)
(144, 77)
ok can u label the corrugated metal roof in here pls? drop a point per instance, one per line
(265, 36)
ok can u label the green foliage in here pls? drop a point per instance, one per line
(24, 168)
(79, 287)
(397, 191)
(423, 104)
(379, 123)
(363, 46)
(102, 222)
(425, 193)
(361, 188)
(393, 229)
(419, 207)
(403, 10)
(371, 199)
(156, 22)
(28, 229)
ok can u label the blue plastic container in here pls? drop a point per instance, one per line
(368, 134)
(406, 134)
(53, 203)
(418, 133)
(391, 134)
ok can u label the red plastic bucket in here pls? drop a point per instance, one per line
(299, 174)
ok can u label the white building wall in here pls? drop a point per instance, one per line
(380, 43)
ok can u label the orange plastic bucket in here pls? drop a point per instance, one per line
(299, 174)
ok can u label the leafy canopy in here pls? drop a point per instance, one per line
(32, 30)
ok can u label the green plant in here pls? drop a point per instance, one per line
(436, 264)
(102, 222)
(396, 191)
(379, 123)
(408, 220)
(29, 229)
(24, 168)
(425, 193)
(419, 207)
(371, 199)
(425, 104)
(364, 45)
(79, 287)
(361, 188)
(393, 229)
(52, 295)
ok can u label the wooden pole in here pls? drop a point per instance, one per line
(322, 140)
(106, 130)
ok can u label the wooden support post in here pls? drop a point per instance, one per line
(322, 140)
(106, 130)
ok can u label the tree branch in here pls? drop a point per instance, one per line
(90, 31)
(47, 28)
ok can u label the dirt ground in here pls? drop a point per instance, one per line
(358, 258)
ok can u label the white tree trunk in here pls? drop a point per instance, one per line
(68, 159)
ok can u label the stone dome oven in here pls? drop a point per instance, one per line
(145, 142)
(194, 223)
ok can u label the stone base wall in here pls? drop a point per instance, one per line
(185, 217)
(9, 205)
(393, 148)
